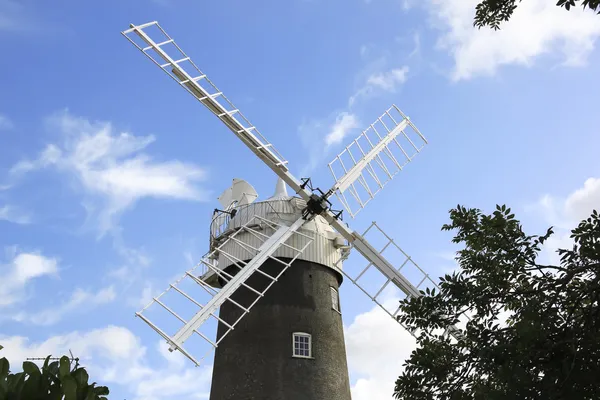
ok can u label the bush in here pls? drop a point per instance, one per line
(55, 381)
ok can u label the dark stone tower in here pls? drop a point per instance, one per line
(291, 344)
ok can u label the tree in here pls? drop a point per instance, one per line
(493, 12)
(534, 330)
(55, 381)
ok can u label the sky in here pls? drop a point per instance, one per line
(109, 172)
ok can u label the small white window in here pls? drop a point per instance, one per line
(302, 345)
(335, 300)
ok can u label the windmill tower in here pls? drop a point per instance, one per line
(293, 340)
(269, 277)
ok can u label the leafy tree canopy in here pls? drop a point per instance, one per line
(533, 329)
(55, 381)
(493, 12)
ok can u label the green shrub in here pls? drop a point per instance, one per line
(55, 381)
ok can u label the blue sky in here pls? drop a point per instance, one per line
(109, 172)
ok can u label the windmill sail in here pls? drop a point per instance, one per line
(152, 40)
(396, 268)
(374, 158)
(236, 277)
(360, 171)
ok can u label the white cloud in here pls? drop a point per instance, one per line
(364, 49)
(49, 156)
(130, 277)
(11, 16)
(79, 300)
(579, 204)
(565, 213)
(408, 4)
(5, 122)
(319, 135)
(537, 27)
(19, 271)
(377, 346)
(132, 256)
(141, 300)
(375, 79)
(112, 169)
(417, 45)
(386, 81)
(14, 215)
(344, 124)
(115, 357)
(311, 135)
(16, 276)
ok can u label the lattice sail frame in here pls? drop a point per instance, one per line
(418, 277)
(162, 50)
(374, 158)
(371, 169)
(258, 227)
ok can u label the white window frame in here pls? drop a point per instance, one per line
(301, 334)
(333, 290)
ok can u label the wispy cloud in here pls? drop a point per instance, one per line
(144, 298)
(112, 169)
(320, 135)
(79, 300)
(344, 124)
(5, 123)
(565, 213)
(384, 81)
(537, 27)
(388, 80)
(19, 271)
(312, 133)
(14, 17)
(417, 45)
(379, 76)
(408, 4)
(15, 215)
(364, 50)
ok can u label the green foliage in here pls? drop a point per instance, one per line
(534, 330)
(493, 12)
(55, 381)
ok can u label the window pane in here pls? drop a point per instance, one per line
(301, 345)
(335, 299)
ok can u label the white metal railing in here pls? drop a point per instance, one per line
(224, 223)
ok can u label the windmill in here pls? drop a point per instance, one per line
(266, 258)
